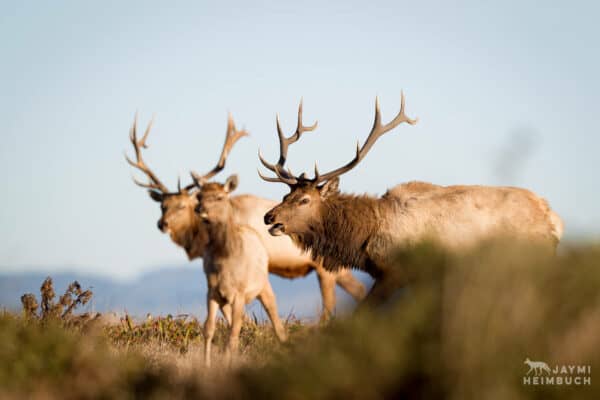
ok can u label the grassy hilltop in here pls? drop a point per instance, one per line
(461, 329)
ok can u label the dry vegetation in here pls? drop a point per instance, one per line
(462, 329)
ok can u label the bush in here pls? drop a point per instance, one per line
(461, 329)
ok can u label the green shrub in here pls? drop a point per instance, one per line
(462, 328)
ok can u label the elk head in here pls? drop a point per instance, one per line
(302, 206)
(213, 201)
(178, 217)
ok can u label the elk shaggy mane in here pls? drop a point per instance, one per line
(352, 220)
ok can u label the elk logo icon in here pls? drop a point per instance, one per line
(538, 367)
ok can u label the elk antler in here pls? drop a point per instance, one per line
(231, 137)
(377, 131)
(283, 175)
(154, 183)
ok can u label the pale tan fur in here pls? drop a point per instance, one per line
(460, 216)
(236, 268)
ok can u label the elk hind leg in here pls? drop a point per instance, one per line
(382, 290)
(350, 284)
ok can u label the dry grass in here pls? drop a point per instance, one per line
(461, 329)
(177, 341)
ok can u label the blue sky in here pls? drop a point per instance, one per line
(506, 94)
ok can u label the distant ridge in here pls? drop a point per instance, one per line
(168, 290)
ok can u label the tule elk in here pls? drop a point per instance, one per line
(364, 232)
(235, 264)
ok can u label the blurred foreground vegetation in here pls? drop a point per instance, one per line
(461, 329)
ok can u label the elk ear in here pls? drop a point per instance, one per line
(156, 196)
(330, 187)
(231, 183)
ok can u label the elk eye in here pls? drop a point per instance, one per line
(305, 200)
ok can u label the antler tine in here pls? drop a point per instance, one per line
(154, 183)
(264, 162)
(185, 188)
(231, 137)
(286, 176)
(317, 175)
(377, 131)
(149, 185)
(143, 141)
(267, 178)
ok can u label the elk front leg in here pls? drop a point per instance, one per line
(267, 299)
(209, 328)
(237, 316)
(350, 284)
(327, 286)
(226, 310)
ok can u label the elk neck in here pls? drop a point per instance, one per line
(342, 230)
(222, 238)
(191, 237)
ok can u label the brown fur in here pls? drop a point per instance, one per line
(337, 219)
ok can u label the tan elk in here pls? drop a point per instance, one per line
(364, 231)
(186, 229)
(235, 264)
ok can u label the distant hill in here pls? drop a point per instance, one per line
(168, 290)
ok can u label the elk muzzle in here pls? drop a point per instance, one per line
(269, 218)
(201, 212)
(275, 230)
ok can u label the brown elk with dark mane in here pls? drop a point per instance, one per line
(365, 232)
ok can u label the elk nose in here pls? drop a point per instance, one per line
(161, 225)
(269, 218)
